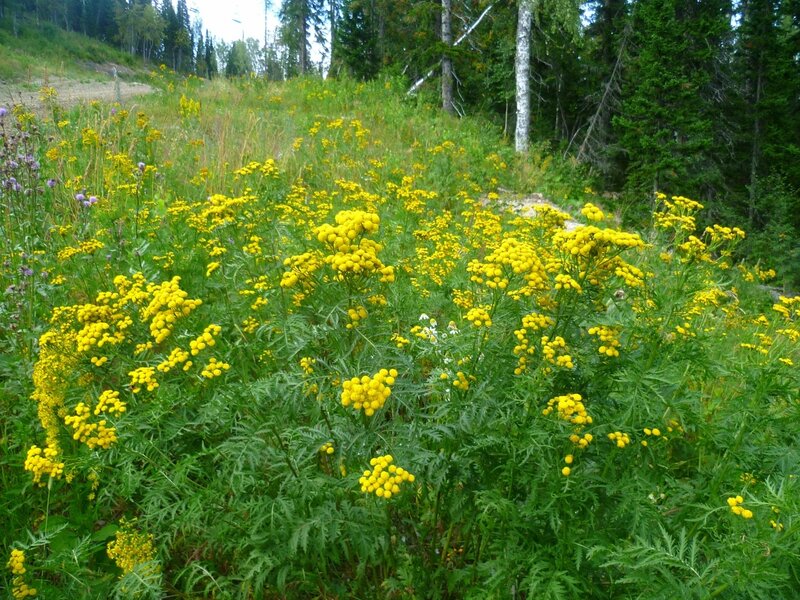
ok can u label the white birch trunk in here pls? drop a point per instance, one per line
(522, 67)
(447, 63)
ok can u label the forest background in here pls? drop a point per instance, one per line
(678, 96)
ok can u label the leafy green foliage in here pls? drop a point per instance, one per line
(603, 465)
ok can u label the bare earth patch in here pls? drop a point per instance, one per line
(70, 92)
(527, 205)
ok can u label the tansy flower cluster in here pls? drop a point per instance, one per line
(399, 341)
(788, 307)
(735, 502)
(619, 438)
(523, 349)
(479, 316)
(592, 212)
(169, 303)
(92, 434)
(694, 249)
(549, 219)
(348, 256)
(590, 241)
(176, 357)
(102, 324)
(720, 233)
(414, 200)
(87, 247)
(205, 339)
(143, 376)
(359, 313)
(564, 281)
(632, 276)
(461, 382)
(214, 368)
(350, 253)
(16, 564)
(581, 441)
(565, 471)
(570, 407)
(511, 258)
(307, 364)
(43, 462)
(360, 259)
(654, 432)
(678, 214)
(300, 267)
(554, 352)
(385, 479)
(327, 448)
(131, 548)
(437, 251)
(211, 267)
(98, 361)
(369, 393)
(350, 224)
(608, 336)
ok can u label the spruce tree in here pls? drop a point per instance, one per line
(300, 19)
(357, 47)
(667, 120)
(210, 57)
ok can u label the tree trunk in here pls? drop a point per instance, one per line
(303, 39)
(756, 147)
(522, 67)
(418, 83)
(333, 32)
(447, 62)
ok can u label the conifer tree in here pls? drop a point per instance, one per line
(171, 28)
(766, 103)
(183, 39)
(356, 44)
(667, 119)
(300, 19)
(210, 57)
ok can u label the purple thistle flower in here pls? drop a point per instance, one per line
(26, 271)
(3, 111)
(80, 197)
(92, 200)
(51, 183)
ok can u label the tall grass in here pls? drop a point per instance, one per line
(285, 341)
(44, 50)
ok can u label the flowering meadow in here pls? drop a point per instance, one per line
(286, 341)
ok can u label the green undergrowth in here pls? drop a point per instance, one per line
(265, 341)
(42, 51)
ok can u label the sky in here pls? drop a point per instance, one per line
(229, 20)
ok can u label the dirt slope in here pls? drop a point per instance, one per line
(70, 92)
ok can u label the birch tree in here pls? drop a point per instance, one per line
(522, 68)
(447, 62)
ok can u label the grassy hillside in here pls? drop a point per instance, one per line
(266, 341)
(49, 51)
